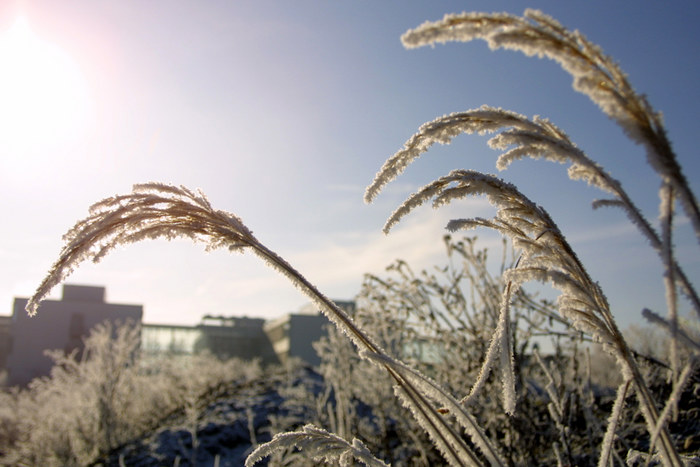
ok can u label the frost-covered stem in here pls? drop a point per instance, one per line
(507, 363)
(658, 243)
(340, 319)
(683, 337)
(491, 354)
(451, 405)
(613, 421)
(647, 404)
(427, 420)
(250, 418)
(674, 398)
(674, 272)
(557, 454)
(666, 219)
(328, 307)
(662, 146)
(556, 406)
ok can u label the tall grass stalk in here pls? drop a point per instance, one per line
(547, 256)
(155, 210)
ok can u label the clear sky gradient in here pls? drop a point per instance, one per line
(282, 112)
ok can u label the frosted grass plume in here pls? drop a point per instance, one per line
(594, 74)
(319, 445)
(546, 257)
(156, 210)
(535, 138)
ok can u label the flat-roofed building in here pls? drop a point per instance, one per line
(64, 324)
(222, 336)
(293, 334)
(59, 324)
(169, 339)
(241, 337)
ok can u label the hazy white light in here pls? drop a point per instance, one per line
(43, 95)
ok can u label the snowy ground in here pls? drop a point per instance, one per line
(224, 428)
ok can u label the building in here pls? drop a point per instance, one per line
(292, 335)
(223, 336)
(64, 324)
(169, 339)
(5, 340)
(60, 324)
(228, 336)
(275, 341)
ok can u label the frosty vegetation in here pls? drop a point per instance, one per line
(441, 366)
(94, 402)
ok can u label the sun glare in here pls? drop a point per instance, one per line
(43, 95)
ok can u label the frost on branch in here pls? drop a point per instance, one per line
(318, 445)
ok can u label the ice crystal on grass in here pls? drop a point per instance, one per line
(318, 445)
(613, 422)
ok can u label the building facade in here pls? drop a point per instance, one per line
(5, 341)
(241, 337)
(59, 324)
(293, 334)
(64, 324)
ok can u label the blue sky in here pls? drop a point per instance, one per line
(282, 112)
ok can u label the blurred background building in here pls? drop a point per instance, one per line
(293, 334)
(61, 324)
(64, 324)
(223, 336)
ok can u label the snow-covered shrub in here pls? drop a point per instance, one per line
(95, 402)
(80, 410)
(442, 320)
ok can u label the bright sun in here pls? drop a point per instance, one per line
(43, 95)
